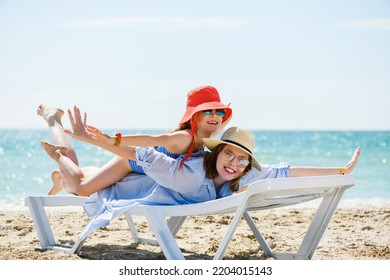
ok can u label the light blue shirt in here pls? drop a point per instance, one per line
(164, 184)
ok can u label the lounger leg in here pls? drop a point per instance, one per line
(77, 246)
(260, 238)
(315, 231)
(175, 224)
(164, 235)
(313, 234)
(319, 224)
(41, 222)
(232, 228)
(133, 228)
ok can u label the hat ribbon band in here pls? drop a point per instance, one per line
(238, 144)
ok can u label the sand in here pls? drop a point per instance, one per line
(353, 234)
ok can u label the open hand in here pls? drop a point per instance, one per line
(79, 125)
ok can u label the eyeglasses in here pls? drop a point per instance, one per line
(241, 161)
(219, 112)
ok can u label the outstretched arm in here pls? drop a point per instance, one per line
(299, 171)
(100, 139)
(82, 132)
(176, 142)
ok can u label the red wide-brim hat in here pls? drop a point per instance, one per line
(204, 98)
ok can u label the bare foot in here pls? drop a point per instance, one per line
(51, 115)
(353, 162)
(56, 177)
(54, 151)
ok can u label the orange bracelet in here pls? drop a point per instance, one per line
(342, 170)
(117, 139)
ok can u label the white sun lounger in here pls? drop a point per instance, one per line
(260, 195)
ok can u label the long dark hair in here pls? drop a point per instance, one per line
(183, 126)
(210, 166)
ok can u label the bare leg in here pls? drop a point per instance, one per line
(53, 118)
(56, 177)
(82, 181)
(73, 173)
(57, 182)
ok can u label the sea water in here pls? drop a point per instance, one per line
(25, 168)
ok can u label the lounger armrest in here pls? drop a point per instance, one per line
(54, 201)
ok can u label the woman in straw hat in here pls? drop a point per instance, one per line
(229, 167)
(244, 141)
(205, 117)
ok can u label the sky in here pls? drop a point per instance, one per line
(295, 65)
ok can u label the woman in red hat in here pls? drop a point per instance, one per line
(205, 117)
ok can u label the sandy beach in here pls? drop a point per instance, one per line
(353, 234)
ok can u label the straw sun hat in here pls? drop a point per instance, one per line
(239, 138)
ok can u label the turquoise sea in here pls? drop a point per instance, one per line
(25, 168)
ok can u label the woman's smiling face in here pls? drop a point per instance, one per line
(231, 162)
(209, 122)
